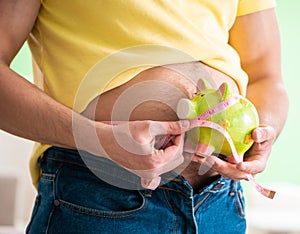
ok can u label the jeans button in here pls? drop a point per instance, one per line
(56, 202)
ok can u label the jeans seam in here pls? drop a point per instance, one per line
(209, 194)
(89, 211)
(98, 213)
(219, 190)
(48, 180)
(53, 195)
(238, 204)
(90, 168)
(166, 195)
(167, 200)
(196, 206)
(47, 177)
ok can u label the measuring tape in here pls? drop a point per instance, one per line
(201, 121)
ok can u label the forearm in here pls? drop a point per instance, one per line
(28, 112)
(271, 100)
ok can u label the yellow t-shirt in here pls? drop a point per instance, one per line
(81, 49)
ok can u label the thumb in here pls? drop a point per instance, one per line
(264, 133)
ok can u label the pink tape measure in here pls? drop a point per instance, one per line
(201, 121)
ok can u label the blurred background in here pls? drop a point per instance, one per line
(281, 215)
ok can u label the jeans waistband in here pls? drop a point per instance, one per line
(114, 174)
(102, 167)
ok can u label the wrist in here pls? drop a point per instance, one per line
(87, 134)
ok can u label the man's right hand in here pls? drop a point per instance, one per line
(132, 146)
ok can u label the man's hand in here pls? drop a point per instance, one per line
(255, 159)
(259, 51)
(132, 145)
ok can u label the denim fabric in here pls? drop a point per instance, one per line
(72, 199)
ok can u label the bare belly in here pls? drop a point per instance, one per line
(153, 94)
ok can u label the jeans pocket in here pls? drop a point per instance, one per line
(34, 212)
(239, 202)
(80, 191)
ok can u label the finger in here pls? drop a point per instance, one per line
(167, 160)
(178, 140)
(150, 183)
(256, 158)
(265, 133)
(169, 128)
(152, 174)
(176, 149)
(251, 167)
(172, 155)
(224, 168)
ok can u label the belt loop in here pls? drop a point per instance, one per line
(233, 186)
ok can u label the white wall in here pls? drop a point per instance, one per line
(14, 157)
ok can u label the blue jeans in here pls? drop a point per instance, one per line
(72, 199)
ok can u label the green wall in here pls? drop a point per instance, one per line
(22, 63)
(285, 159)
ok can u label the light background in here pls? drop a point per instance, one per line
(285, 159)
